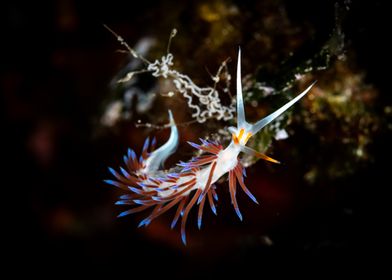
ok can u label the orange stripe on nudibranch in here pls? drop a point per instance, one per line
(267, 158)
(241, 133)
(235, 139)
(186, 213)
(247, 137)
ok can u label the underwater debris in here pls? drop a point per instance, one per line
(204, 102)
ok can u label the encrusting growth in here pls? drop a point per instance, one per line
(190, 183)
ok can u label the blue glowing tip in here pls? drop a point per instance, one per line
(173, 224)
(146, 143)
(205, 142)
(200, 198)
(135, 190)
(112, 171)
(142, 184)
(122, 214)
(199, 222)
(183, 237)
(186, 169)
(138, 201)
(214, 210)
(194, 145)
(125, 196)
(238, 213)
(253, 198)
(111, 182)
(133, 154)
(144, 222)
(124, 172)
(173, 175)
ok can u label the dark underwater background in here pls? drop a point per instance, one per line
(324, 209)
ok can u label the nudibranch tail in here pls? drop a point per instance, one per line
(149, 186)
(158, 157)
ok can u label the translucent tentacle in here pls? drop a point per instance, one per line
(179, 211)
(232, 187)
(240, 102)
(211, 201)
(200, 212)
(186, 213)
(215, 195)
(160, 211)
(240, 179)
(263, 122)
(210, 175)
(133, 210)
(257, 154)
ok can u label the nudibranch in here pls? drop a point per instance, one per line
(147, 185)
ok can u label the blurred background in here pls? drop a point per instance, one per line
(65, 119)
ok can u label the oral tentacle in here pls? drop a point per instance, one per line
(263, 122)
(257, 154)
(240, 102)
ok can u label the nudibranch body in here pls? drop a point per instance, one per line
(191, 183)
